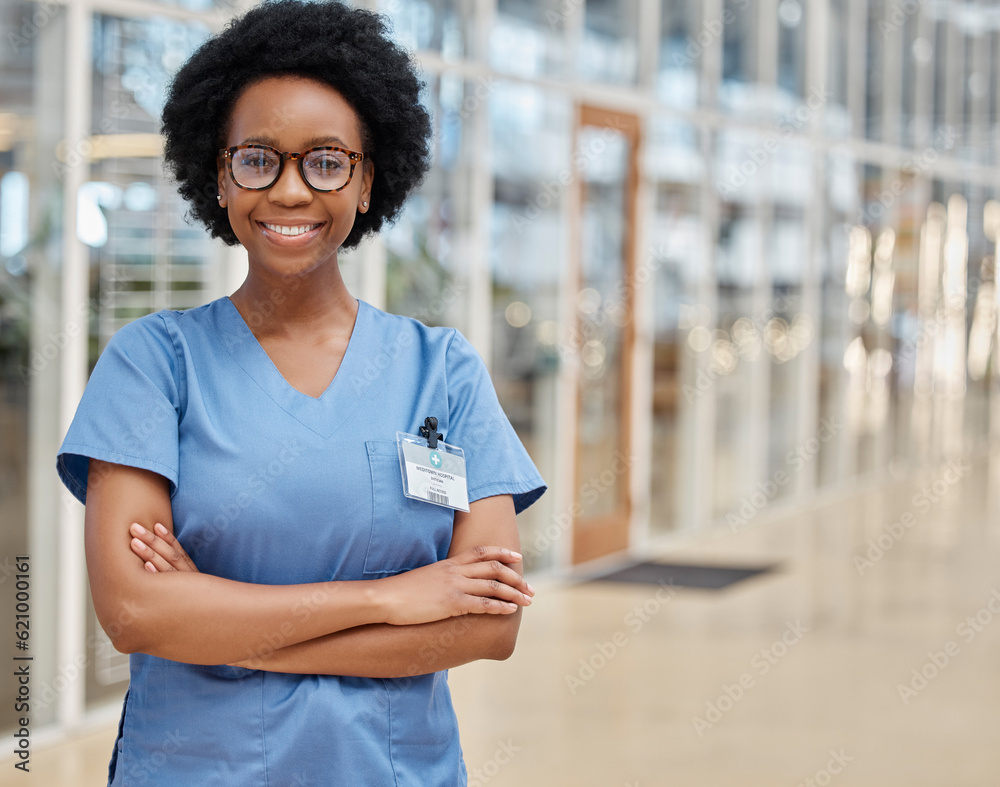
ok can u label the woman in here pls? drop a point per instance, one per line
(289, 611)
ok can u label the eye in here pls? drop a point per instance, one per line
(326, 162)
(256, 159)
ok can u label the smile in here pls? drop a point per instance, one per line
(291, 231)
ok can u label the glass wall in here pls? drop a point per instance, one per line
(813, 271)
(673, 267)
(427, 247)
(20, 246)
(529, 132)
(684, 38)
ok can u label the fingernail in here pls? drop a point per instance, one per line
(138, 529)
(150, 567)
(530, 588)
(160, 529)
(516, 555)
(527, 599)
(138, 542)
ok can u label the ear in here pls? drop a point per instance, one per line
(367, 176)
(221, 183)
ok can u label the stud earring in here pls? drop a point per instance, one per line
(218, 197)
(364, 204)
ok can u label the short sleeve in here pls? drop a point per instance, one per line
(496, 462)
(130, 409)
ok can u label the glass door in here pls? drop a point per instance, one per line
(606, 166)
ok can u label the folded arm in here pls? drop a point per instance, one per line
(380, 651)
(188, 616)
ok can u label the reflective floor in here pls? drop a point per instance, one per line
(869, 659)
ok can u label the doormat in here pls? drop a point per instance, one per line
(684, 575)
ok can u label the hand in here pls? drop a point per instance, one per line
(474, 581)
(159, 550)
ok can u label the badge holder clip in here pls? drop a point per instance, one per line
(433, 471)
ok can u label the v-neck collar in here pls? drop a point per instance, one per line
(324, 414)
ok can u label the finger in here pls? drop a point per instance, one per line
(168, 538)
(481, 553)
(480, 605)
(492, 588)
(143, 545)
(170, 553)
(150, 557)
(494, 569)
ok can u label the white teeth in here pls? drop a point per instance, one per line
(291, 230)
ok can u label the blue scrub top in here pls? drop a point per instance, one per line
(271, 486)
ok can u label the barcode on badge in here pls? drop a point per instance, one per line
(442, 500)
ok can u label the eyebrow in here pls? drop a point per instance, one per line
(310, 143)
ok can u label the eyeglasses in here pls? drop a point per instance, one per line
(258, 167)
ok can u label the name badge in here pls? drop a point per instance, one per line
(434, 475)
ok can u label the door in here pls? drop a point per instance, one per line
(604, 251)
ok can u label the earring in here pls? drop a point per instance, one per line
(364, 204)
(218, 197)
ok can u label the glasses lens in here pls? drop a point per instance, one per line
(326, 169)
(256, 168)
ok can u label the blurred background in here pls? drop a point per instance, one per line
(731, 264)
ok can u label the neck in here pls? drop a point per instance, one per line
(289, 306)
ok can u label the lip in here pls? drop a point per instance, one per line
(291, 240)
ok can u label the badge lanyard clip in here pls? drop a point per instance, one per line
(429, 430)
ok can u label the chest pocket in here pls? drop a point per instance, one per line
(405, 533)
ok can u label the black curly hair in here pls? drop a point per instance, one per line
(345, 48)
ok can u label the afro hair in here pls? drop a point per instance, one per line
(346, 48)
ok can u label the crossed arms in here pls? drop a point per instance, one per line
(460, 609)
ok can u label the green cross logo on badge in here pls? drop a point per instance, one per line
(435, 458)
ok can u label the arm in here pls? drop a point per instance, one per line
(384, 651)
(381, 651)
(202, 619)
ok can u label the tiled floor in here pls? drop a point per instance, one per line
(782, 679)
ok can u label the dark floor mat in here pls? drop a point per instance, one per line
(684, 575)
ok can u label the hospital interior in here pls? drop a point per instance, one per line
(731, 265)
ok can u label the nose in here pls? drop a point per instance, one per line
(290, 189)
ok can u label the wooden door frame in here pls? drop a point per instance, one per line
(607, 534)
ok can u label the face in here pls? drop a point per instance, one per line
(293, 114)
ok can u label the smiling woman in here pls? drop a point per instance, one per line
(280, 217)
(241, 463)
